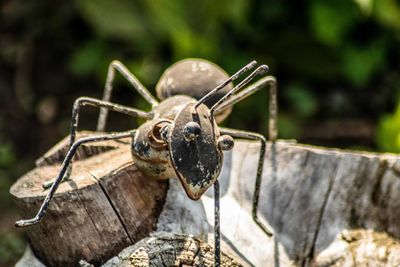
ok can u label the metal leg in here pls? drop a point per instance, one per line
(64, 168)
(88, 101)
(83, 101)
(256, 194)
(217, 234)
(136, 84)
(273, 102)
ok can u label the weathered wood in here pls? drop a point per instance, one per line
(168, 249)
(361, 247)
(107, 205)
(309, 196)
(160, 249)
(327, 207)
(57, 153)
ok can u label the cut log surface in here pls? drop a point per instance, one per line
(168, 249)
(106, 206)
(326, 207)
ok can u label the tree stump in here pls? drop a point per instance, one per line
(326, 207)
(106, 206)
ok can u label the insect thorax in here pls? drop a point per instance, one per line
(149, 151)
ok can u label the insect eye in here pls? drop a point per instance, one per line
(191, 130)
(225, 142)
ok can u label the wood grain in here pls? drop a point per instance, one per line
(309, 196)
(107, 205)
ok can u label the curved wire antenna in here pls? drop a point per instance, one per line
(259, 71)
(265, 82)
(226, 82)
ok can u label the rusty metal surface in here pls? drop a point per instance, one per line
(169, 107)
(194, 77)
(197, 162)
(153, 161)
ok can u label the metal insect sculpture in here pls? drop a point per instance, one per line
(181, 137)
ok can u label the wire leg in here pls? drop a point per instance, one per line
(217, 233)
(64, 168)
(272, 105)
(88, 101)
(136, 84)
(49, 183)
(257, 186)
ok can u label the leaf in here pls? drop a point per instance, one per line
(332, 20)
(301, 100)
(119, 19)
(388, 132)
(288, 127)
(360, 63)
(388, 13)
(7, 155)
(87, 58)
(366, 6)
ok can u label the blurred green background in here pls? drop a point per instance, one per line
(337, 63)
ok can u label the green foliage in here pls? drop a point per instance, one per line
(116, 19)
(388, 133)
(303, 101)
(288, 128)
(360, 63)
(7, 161)
(11, 247)
(387, 12)
(331, 21)
(87, 58)
(7, 156)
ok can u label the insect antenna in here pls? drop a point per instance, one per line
(259, 71)
(226, 82)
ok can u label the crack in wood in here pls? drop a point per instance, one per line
(310, 257)
(114, 208)
(376, 194)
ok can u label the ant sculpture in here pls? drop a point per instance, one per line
(180, 137)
